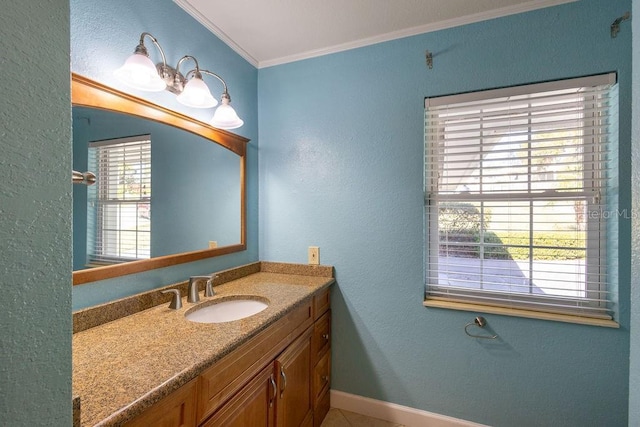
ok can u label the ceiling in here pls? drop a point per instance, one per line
(272, 32)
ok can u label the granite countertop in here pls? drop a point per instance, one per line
(122, 367)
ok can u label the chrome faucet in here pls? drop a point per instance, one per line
(193, 287)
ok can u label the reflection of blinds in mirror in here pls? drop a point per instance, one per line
(119, 204)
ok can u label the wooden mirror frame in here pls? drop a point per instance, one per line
(88, 93)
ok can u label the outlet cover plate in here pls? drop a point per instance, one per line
(314, 255)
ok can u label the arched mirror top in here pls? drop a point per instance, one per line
(88, 93)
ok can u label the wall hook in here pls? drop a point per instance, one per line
(480, 322)
(615, 27)
(429, 57)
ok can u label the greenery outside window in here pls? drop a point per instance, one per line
(119, 204)
(518, 210)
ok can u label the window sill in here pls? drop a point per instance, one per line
(518, 312)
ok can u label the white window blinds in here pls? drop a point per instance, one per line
(119, 204)
(516, 186)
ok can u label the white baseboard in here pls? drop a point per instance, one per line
(394, 413)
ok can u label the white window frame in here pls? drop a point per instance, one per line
(596, 303)
(105, 246)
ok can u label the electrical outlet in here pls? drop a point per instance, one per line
(213, 244)
(314, 255)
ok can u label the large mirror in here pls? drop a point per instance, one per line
(190, 201)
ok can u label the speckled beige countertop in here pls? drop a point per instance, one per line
(122, 367)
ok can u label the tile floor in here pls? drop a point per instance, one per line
(342, 418)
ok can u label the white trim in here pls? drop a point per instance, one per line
(394, 413)
(186, 6)
(407, 32)
(413, 31)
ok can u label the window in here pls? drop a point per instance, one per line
(516, 200)
(119, 214)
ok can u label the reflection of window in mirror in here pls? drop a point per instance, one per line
(119, 204)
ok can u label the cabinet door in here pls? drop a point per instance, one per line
(253, 406)
(176, 410)
(293, 367)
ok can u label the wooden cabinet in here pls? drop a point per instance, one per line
(227, 376)
(321, 376)
(278, 378)
(321, 357)
(321, 303)
(176, 410)
(321, 336)
(293, 366)
(254, 405)
(280, 395)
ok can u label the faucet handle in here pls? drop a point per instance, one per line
(208, 290)
(176, 302)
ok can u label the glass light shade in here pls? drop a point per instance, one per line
(196, 94)
(226, 117)
(140, 72)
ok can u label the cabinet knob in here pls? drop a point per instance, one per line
(325, 378)
(325, 336)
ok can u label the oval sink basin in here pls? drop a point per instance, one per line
(226, 311)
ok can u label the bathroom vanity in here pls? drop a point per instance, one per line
(155, 367)
(136, 361)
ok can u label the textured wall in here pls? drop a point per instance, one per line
(634, 377)
(103, 35)
(341, 155)
(35, 215)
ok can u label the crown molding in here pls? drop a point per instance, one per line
(187, 7)
(422, 29)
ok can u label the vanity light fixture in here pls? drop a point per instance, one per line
(140, 73)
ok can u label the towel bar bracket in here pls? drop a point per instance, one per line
(480, 322)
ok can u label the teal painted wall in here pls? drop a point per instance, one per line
(334, 173)
(341, 155)
(35, 215)
(634, 377)
(103, 35)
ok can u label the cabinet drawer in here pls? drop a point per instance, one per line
(321, 336)
(322, 377)
(321, 303)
